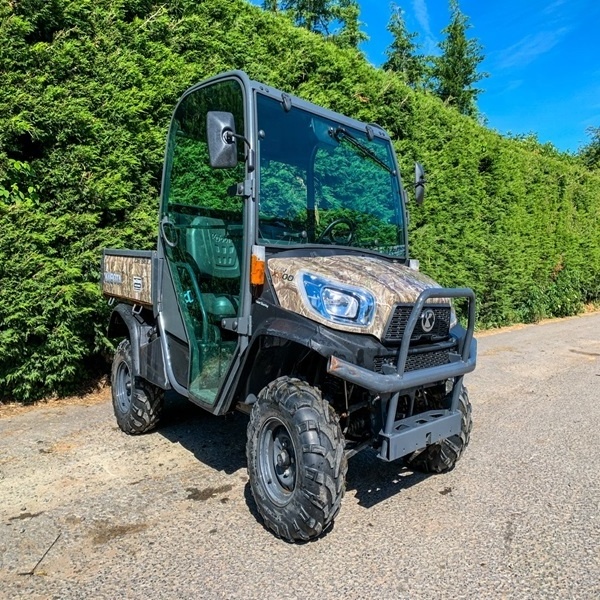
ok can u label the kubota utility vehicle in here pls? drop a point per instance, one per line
(281, 286)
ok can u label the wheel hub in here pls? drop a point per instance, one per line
(283, 459)
(123, 387)
(277, 461)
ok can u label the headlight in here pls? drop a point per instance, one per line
(337, 302)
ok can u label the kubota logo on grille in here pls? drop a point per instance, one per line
(427, 320)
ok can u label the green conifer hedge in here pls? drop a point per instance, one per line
(87, 91)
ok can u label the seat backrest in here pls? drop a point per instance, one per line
(213, 252)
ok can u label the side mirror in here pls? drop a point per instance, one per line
(419, 183)
(222, 140)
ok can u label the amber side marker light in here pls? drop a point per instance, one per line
(257, 265)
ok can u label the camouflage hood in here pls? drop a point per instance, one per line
(390, 284)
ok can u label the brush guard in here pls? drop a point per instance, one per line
(404, 436)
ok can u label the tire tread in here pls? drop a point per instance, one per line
(321, 475)
(146, 399)
(442, 456)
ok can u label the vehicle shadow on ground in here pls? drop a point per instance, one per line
(218, 442)
(372, 480)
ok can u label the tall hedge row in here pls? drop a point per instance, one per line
(87, 91)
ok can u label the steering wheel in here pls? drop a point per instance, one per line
(344, 238)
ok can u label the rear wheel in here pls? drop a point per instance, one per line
(443, 456)
(137, 404)
(296, 460)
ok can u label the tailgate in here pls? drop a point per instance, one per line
(128, 275)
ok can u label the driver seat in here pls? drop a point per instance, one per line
(215, 258)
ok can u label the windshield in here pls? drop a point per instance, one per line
(322, 182)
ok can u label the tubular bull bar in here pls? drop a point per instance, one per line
(399, 438)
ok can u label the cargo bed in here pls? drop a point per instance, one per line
(128, 275)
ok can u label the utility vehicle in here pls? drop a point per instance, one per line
(282, 287)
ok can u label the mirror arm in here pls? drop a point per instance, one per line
(229, 137)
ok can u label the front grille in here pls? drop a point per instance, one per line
(426, 360)
(397, 324)
(414, 362)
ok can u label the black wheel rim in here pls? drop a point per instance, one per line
(277, 461)
(122, 387)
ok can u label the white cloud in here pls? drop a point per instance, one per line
(527, 49)
(422, 16)
(553, 7)
(513, 85)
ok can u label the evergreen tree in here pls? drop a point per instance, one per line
(321, 16)
(347, 13)
(455, 71)
(314, 15)
(590, 153)
(402, 57)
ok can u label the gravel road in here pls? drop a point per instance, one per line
(89, 512)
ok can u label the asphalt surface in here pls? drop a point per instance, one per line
(88, 512)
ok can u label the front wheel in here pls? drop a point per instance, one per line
(443, 456)
(296, 460)
(137, 403)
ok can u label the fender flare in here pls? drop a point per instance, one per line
(124, 323)
(309, 334)
(288, 327)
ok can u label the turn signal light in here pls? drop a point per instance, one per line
(257, 265)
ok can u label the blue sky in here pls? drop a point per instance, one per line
(543, 57)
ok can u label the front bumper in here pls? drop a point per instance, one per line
(404, 436)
